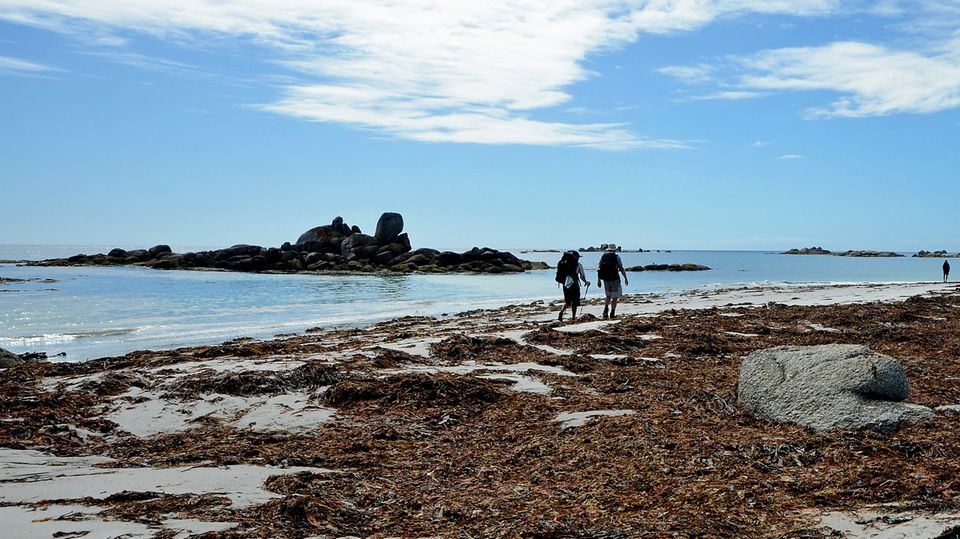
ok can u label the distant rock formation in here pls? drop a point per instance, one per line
(935, 254)
(827, 387)
(333, 247)
(870, 254)
(669, 267)
(603, 247)
(822, 251)
(807, 251)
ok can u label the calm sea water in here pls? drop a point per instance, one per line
(94, 312)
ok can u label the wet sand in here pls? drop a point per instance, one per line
(494, 423)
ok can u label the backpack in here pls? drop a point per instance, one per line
(565, 267)
(607, 270)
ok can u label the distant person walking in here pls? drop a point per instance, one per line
(569, 274)
(608, 276)
(946, 270)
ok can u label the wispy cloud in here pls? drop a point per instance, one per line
(872, 80)
(456, 71)
(145, 62)
(727, 95)
(695, 74)
(915, 75)
(790, 157)
(760, 143)
(18, 66)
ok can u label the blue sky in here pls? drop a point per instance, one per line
(737, 124)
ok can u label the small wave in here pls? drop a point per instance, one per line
(63, 338)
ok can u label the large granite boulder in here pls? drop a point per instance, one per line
(834, 386)
(389, 226)
(359, 246)
(332, 234)
(9, 359)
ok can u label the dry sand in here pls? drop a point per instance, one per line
(496, 423)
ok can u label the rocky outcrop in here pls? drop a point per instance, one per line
(669, 267)
(389, 226)
(603, 247)
(834, 386)
(807, 251)
(935, 254)
(9, 359)
(870, 254)
(822, 251)
(333, 247)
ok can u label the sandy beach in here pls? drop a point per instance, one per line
(491, 423)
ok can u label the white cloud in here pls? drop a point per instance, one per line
(695, 74)
(11, 65)
(917, 73)
(450, 70)
(871, 80)
(760, 143)
(790, 157)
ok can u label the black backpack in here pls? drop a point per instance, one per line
(565, 267)
(607, 270)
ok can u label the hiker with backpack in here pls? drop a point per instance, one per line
(569, 274)
(608, 276)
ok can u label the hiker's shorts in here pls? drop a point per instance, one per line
(571, 295)
(612, 289)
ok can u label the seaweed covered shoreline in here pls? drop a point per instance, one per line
(497, 423)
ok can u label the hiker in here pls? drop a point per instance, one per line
(608, 276)
(946, 270)
(569, 274)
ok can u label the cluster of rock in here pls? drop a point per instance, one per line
(669, 267)
(834, 386)
(603, 247)
(9, 359)
(333, 247)
(822, 251)
(807, 251)
(935, 254)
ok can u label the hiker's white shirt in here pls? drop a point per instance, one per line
(568, 282)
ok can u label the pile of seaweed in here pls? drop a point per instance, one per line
(456, 455)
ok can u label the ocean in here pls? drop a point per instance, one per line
(86, 312)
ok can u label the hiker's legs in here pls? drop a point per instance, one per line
(563, 310)
(613, 307)
(573, 311)
(606, 307)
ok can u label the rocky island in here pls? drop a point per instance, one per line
(336, 247)
(822, 251)
(669, 267)
(935, 254)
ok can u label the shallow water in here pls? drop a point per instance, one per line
(93, 312)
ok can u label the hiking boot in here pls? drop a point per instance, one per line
(605, 316)
(560, 317)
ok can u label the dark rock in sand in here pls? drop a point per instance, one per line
(828, 387)
(9, 359)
